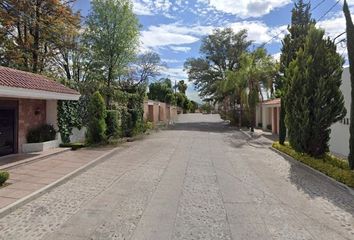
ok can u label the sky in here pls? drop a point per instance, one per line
(174, 28)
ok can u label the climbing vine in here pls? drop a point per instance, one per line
(71, 114)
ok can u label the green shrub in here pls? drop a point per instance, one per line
(112, 122)
(149, 125)
(126, 123)
(3, 177)
(96, 126)
(327, 164)
(42, 133)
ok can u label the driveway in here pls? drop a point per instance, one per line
(199, 180)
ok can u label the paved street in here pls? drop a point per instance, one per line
(199, 180)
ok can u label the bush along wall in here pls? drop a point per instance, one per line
(72, 114)
(113, 123)
(96, 130)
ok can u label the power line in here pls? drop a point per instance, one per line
(329, 10)
(314, 8)
(318, 4)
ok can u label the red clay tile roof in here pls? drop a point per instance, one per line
(19, 79)
(272, 102)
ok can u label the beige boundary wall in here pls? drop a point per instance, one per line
(159, 112)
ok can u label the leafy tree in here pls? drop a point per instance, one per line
(314, 100)
(193, 106)
(31, 32)
(238, 85)
(350, 45)
(298, 29)
(146, 67)
(181, 99)
(111, 37)
(221, 52)
(161, 90)
(182, 87)
(97, 125)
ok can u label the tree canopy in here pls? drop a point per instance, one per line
(314, 100)
(221, 52)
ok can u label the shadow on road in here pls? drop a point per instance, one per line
(217, 127)
(317, 186)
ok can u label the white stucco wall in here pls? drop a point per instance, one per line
(339, 142)
(78, 135)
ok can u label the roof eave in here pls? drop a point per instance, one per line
(11, 92)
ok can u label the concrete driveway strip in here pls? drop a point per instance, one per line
(199, 180)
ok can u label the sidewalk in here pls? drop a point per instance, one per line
(30, 177)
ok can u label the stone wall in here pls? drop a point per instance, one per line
(31, 114)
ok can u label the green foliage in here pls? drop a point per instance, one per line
(298, 29)
(42, 133)
(97, 125)
(68, 118)
(4, 176)
(350, 46)
(221, 52)
(182, 87)
(327, 164)
(111, 37)
(113, 123)
(149, 125)
(161, 91)
(206, 107)
(180, 99)
(72, 114)
(314, 100)
(193, 106)
(282, 126)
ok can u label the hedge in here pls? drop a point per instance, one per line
(330, 165)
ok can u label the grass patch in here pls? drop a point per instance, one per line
(330, 165)
(73, 146)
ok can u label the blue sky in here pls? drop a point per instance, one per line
(174, 28)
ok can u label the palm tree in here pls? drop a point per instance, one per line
(258, 70)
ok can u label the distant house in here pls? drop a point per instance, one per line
(27, 101)
(339, 141)
(267, 115)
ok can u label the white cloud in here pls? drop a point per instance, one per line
(175, 73)
(246, 8)
(180, 49)
(276, 56)
(258, 31)
(171, 60)
(176, 34)
(172, 34)
(140, 8)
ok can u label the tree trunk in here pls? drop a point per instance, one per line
(350, 45)
(282, 126)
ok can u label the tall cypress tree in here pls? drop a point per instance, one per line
(314, 100)
(350, 46)
(300, 24)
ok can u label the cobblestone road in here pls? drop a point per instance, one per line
(199, 180)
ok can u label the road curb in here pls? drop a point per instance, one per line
(31, 160)
(10, 208)
(341, 185)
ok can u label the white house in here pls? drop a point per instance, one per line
(268, 114)
(339, 142)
